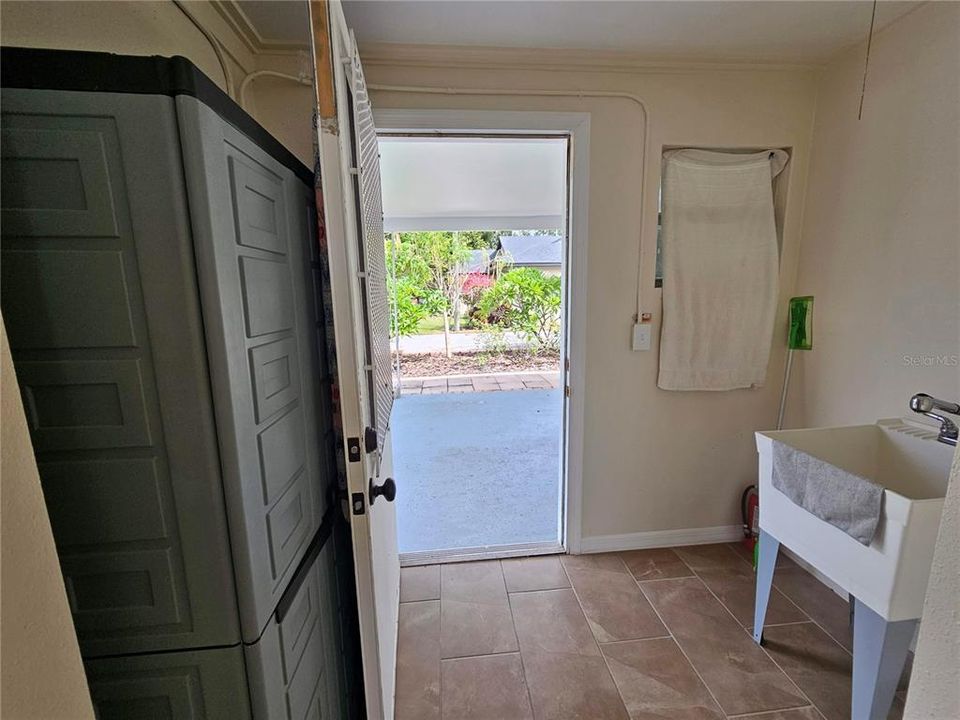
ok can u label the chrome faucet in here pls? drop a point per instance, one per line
(925, 405)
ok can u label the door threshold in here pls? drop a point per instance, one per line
(488, 552)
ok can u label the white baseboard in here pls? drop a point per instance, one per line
(661, 538)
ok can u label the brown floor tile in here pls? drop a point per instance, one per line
(534, 573)
(655, 564)
(473, 581)
(611, 601)
(657, 682)
(819, 666)
(899, 705)
(739, 674)
(704, 557)
(807, 713)
(551, 621)
(420, 583)
(490, 687)
(740, 549)
(418, 661)
(822, 604)
(605, 561)
(475, 614)
(747, 554)
(571, 686)
(735, 586)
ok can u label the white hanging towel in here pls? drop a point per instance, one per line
(720, 269)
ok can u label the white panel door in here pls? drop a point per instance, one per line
(350, 173)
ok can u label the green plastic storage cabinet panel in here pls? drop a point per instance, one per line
(190, 685)
(296, 661)
(99, 295)
(249, 218)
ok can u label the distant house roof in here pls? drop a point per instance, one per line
(533, 249)
(479, 261)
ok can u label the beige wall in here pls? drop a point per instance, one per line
(881, 254)
(160, 27)
(41, 675)
(653, 460)
(881, 237)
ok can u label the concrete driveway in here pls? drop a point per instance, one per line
(475, 470)
(464, 341)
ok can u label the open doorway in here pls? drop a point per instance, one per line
(476, 239)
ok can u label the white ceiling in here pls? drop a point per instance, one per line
(735, 30)
(472, 184)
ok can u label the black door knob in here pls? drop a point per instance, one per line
(388, 489)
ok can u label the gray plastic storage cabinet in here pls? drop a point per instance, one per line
(162, 309)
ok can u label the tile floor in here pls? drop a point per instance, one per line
(487, 382)
(646, 634)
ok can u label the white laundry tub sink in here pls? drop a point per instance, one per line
(890, 574)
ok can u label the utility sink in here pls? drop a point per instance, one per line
(886, 579)
(890, 574)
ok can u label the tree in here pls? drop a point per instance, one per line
(446, 255)
(407, 279)
(480, 239)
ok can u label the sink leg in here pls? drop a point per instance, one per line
(879, 652)
(766, 562)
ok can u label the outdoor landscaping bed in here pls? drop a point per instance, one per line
(467, 363)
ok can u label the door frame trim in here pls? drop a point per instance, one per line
(576, 126)
(437, 557)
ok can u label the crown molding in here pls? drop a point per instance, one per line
(241, 25)
(549, 59)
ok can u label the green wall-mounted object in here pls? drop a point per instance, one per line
(800, 336)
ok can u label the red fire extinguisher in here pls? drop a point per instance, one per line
(750, 510)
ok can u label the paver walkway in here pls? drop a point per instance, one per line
(489, 382)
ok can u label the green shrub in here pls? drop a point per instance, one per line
(528, 302)
(409, 309)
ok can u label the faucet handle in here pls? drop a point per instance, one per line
(923, 403)
(927, 404)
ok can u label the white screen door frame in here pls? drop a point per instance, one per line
(575, 126)
(349, 174)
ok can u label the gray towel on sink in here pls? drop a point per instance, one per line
(843, 499)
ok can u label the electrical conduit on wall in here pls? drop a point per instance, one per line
(493, 92)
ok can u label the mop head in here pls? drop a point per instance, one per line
(801, 323)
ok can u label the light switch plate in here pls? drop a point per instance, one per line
(641, 336)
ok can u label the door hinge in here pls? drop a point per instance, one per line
(567, 391)
(353, 449)
(358, 503)
(370, 439)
